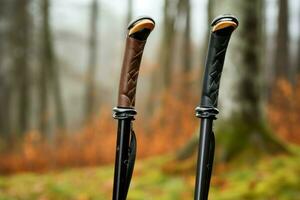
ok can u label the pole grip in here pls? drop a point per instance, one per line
(138, 32)
(222, 27)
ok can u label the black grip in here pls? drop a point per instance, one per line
(222, 28)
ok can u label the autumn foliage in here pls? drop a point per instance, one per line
(284, 111)
(163, 132)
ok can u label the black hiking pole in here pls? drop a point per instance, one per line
(222, 27)
(138, 32)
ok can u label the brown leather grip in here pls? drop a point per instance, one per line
(130, 71)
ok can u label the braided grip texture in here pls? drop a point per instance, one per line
(130, 71)
(213, 69)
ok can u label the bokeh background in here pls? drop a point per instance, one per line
(60, 64)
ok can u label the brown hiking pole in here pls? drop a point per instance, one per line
(138, 32)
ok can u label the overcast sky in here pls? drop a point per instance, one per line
(63, 11)
(72, 13)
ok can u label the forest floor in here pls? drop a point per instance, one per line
(274, 178)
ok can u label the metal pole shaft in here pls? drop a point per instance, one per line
(123, 138)
(203, 160)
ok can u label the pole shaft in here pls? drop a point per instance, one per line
(120, 174)
(203, 160)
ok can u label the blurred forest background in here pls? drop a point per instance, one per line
(60, 63)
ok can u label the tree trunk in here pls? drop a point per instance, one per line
(187, 54)
(129, 11)
(49, 74)
(5, 89)
(20, 43)
(210, 11)
(298, 58)
(168, 42)
(210, 16)
(161, 77)
(58, 99)
(204, 46)
(90, 103)
(191, 146)
(282, 62)
(46, 62)
(298, 50)
(54, 73)
(184, 11)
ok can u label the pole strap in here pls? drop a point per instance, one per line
(211, 155)
(131, 160)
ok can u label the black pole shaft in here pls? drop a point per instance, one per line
(120, 174)
(203, 167)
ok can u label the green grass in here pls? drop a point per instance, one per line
(271, 179)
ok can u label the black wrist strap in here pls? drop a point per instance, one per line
(131, 160)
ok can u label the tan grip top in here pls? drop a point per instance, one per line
(130, 71)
